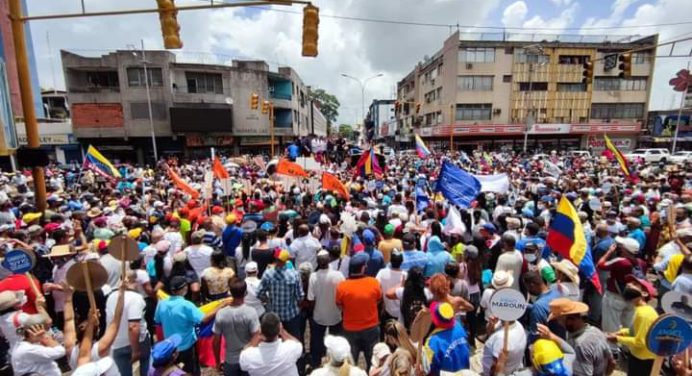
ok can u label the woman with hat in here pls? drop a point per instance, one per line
(637, 292)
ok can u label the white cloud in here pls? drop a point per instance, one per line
(514, 16)
(561, 3)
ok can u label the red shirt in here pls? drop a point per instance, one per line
(619, 268)
(358, 298)
(20, 282)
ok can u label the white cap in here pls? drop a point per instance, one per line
(251, 267)
(630, 245)
(337, 347)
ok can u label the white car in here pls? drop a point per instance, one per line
(649, 155)
(681, 157)
(580, 153)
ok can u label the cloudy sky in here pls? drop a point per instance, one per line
(348, 43)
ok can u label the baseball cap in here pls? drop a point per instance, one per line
(267, 226)
(629, 244)
(389, 229)
(368, 237)
(163, 351)
(337, 347)
(489, 227)
(442, 315)
(358, 260)
(178, 283)
(564, 306)
(251, 267)
(281, 254)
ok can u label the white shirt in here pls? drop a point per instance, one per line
(133, 310)
(271, 359)
(199, 257)
(322, 290)
(328, 370)
(251, 297)
(114, 268)
(176, 242)
(515, 348)
(485, 302)
(341, 265)
(59, 275)
(305, 249)
(389, 278)
(34, 358)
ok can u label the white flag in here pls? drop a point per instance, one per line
(498, 183)
(453, 222)
(552, 169)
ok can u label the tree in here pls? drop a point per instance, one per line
(329, 105)
(345, 131)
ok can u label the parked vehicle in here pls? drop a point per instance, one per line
(682, 157)
(649, 155)
(580, 153)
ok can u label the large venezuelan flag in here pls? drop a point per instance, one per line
(622, 161)
(100, 164)
(421, 149)
(566, 237)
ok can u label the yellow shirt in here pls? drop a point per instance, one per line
(635, 338)
(387, 246)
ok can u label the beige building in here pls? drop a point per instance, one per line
(484, 92)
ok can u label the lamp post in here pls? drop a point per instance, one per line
(362, 84)
(532, 50)
(151, 117)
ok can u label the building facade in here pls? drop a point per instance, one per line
(488, 92)
(379, 113)
(193, 106)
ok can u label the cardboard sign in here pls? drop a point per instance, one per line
(19, 261)
(507, 304)
(677, 303)
(669, 335)
(123, 247)
(87, 276)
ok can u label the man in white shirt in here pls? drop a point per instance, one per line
(391, 277)
(273, 353)
(305, 247)
(495, 343)
(132, 326)
(37, 353)
(511, 260)
(326, 314)
(198, 253)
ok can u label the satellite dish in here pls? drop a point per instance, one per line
(229, 101)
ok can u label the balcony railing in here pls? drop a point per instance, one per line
(286, 97)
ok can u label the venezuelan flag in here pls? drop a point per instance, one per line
(368, 164)
(421, 149)
(622, 161)
(100, 164)
(566, 237)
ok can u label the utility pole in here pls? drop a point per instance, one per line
(18, 37)
(151, 117)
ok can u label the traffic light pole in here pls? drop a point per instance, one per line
(30, 122)
(271, 126)
(677, 123)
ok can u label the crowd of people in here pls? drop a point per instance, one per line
(278, 276)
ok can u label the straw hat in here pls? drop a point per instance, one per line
(567, 268)
(502, 279)
(61, 250)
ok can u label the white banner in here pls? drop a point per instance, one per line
(494, 183)
(453, 222)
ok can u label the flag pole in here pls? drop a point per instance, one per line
(677, 124)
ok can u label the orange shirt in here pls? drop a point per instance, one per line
(358, 298)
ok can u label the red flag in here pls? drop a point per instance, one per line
(182, 185)
(219, 171)
(285, 167)
(332, 183)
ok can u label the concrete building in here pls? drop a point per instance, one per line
(379, 112)
(484, 91)
(194, 106)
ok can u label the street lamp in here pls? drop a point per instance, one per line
(362, 84)
(531, 50)
(151, 118)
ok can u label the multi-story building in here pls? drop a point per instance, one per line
(380, 112)
(484, 92)
(193, 106)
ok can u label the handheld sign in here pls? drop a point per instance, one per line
(87, 276)
(19, 261)
(677, 303)
(123, 248)
(507, 304)
(669, 335)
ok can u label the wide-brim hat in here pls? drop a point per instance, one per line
(502, 279)
(567, 268)
(61, 250)
(564, 306)
(646, 285)
(94, 212)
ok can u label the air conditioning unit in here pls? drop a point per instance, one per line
(469, 66)
(497, 111)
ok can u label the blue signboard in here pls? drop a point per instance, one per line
(18, 261)
(669, 335)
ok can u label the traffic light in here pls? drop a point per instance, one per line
(254, 101)
(311, 18)
(417, 108)
(625, 66)
(168, 16)
(265, 107)
(587, 74)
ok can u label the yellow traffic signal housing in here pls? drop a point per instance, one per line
(587, 74)
(311, 20)
(625, 66)
(170, 29)
(265, 107)
(254, 101)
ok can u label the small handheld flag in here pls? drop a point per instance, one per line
(421, 149)
(100, 164)
(622, 161)
(219, 171)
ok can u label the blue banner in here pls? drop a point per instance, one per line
(457, 185)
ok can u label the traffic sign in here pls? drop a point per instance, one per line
(19, 261)
(507, 304)
(669, 335)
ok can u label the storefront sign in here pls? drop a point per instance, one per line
(597, 143)
(199, 140)
(50, 139)
(550, 129)
(519, 129)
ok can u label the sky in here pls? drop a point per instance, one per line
(355, 47)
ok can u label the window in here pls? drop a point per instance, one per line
(433, 95)
(573, 59)
(475, 83)
(617, 110)
(533, 86)
(477, 55)
(570, 86)
(616, 83)
(523, 57)
(641, 57)
(135, 76)
(140, 110)
(106, 79)
(474, 111)
(507, 78)
(200, 82)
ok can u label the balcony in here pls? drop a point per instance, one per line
(280, 96)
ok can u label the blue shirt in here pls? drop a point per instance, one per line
(540, 243)
(293, 151)
(231, 238)
(179, 316)
(638, 235)
(600, 247)
(436, 262)
(539, 312)
(446, 350)
(414, 258)
(283, 289)
(375, 263)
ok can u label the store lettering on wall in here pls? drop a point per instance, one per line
(598, 143)
(54, 139)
